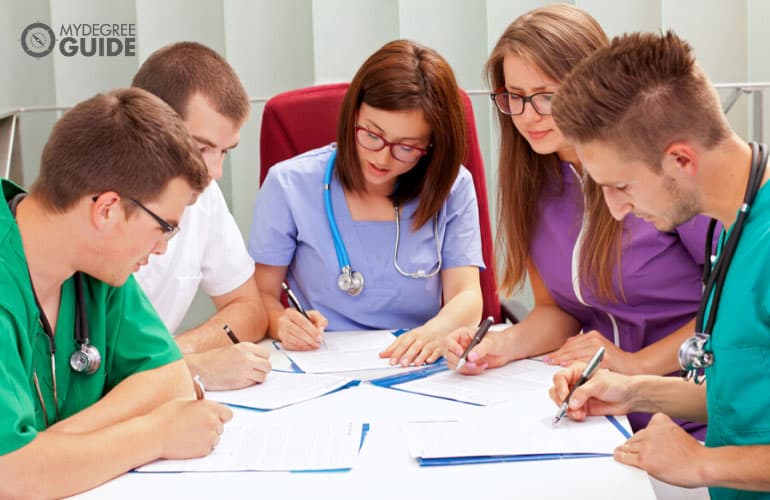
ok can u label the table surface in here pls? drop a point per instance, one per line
(385, 469)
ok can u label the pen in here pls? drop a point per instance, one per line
(294, 301)
(231, 334)
(477, 337)
(296, 304)
(200, 390)
(590, 369)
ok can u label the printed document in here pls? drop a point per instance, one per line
(346, 351)
(490, 387)
(525, 434)
(280, 389)
(251, 444)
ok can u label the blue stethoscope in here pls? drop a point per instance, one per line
(350, 281)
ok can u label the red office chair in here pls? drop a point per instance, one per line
(299, 120)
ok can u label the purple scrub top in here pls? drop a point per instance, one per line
(661, 274)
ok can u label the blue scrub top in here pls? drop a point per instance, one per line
(737, 395)
(290, 228)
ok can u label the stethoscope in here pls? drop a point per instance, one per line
(86, 357)
(696, 354)
(350, 281)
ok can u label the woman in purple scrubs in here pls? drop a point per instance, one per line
(623, 284)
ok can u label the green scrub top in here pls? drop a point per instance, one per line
(738, 383)
(123, 326)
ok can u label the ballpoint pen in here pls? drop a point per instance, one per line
(231, 334)
(477, 337)
(294, 301)
(587, 373)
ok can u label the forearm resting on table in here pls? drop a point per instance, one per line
(545, 329)
(676, 397)
(738, 467)
(462, 309)
(660, 358)
(136, 395)
(57, 464)
(241, 310)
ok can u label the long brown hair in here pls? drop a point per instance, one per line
(554, 38)
(404, 75)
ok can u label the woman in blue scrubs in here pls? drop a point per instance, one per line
(379, 230)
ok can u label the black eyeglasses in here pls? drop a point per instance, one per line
(513, 104)
(169, 230)
(373, 141)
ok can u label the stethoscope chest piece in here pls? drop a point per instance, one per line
(86, 360)
(350, 282)
(694, 358)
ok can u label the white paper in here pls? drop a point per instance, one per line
(490, 387)
(249, 444)
(280, 389)
(526, 434)
(346, 351)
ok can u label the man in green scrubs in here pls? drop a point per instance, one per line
(650, 131)
(116, 174)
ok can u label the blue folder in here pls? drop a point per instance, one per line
(350, 384)
(439, 461)
(399, 378)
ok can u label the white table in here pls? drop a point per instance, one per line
(385, 469)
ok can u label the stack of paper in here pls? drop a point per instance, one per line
(490, 387)
(524, 437)
(249, 444)
(346, 351)
(281, 389)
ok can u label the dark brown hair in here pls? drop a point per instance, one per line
(554, 38)
(404, 75)
(177, 72)
(640, 94)
(127, 141)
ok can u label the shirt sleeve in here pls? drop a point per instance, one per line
(226, 264)
(17, 403)
(273, 238)
(462, 238)
(693, 236)
(137, 338)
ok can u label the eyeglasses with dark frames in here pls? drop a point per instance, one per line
(169, 230)
(509, 103)
(372, 141)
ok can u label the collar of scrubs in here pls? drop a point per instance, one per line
(339, 246)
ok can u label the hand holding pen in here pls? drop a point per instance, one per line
(294, 332)
(589, 370)
(477, 338)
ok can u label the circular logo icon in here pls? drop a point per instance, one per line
(37, 39)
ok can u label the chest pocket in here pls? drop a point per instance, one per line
(737, 389)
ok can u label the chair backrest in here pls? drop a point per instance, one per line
(299, 120)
